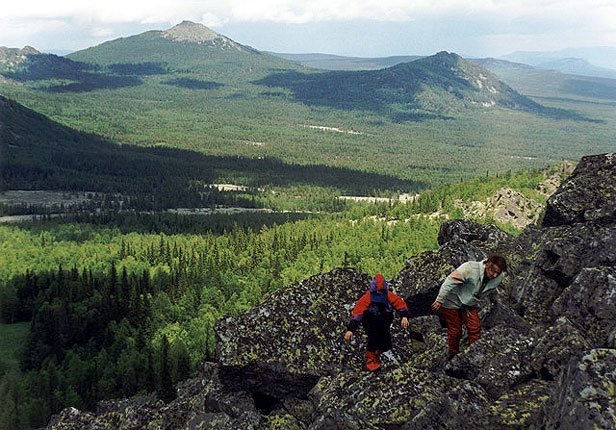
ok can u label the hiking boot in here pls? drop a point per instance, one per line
(373, 362)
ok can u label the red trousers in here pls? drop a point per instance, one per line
(454, 319)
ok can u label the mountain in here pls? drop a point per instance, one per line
(192, 89)
(550, 82)
(337, 62)
(28, 64)
(597, 61)
(447, 81)
(436, 86)
(546, 357)
(12, 58)
(554, 78)
(187, 48)
(439, 86)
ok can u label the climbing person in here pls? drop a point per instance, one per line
(460, 294)
(374, 310)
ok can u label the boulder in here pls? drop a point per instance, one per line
(587, 195)
(495, 362)
(282, 348)
(554, 258)
(470, 231)
(584, 397)
(407, 397)
(590, 303)
(555, 346)
(202, 403)
(519, 408)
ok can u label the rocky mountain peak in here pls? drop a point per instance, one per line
(188, 31)
(192, 32)
(546, 358)
(14, 56)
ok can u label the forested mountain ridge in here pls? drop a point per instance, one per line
(442, 85)
(436, 85)
(191, 88)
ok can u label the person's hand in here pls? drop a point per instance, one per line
(405, 322)
(436, 306)
(348, 335)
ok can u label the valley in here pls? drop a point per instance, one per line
(153, 185)
(424, 122)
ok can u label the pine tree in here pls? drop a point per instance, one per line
(167, 393)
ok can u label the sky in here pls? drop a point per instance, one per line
(359, 28)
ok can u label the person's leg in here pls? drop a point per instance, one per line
(473, 324)
(454, 329)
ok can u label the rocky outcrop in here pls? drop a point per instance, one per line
(512, 207)
(546, 358)
(587, 196)
(506, 206)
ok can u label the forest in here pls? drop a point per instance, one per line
(94, 310)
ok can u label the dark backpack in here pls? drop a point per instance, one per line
(380, 310)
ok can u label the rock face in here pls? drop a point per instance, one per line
(546, 358)
(512, 207)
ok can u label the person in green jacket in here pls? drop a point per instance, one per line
(460, 294)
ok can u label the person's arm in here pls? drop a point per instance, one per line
(356, 316)
(452, 281)
(400, 306)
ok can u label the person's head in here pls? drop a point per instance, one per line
(495, 265)
(378, 284)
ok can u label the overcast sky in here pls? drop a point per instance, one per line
(363, 28)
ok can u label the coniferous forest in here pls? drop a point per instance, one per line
(111, 305)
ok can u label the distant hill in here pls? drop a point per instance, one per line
(337, 62)
(597, 62)
(432, 87)
(28, 64)
(189, 88)
(549, 82)
(439, 86)
(574, 75)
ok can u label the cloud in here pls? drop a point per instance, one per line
(293, 11)
(490, 24)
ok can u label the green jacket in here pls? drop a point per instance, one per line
(455, 296)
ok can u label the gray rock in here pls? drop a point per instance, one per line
(554, 257)
(590, 303)
(282, 348)
(584, 397)
(495, 361)
(555, 346)
(587, 195)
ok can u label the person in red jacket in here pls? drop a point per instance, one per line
(374, 310)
